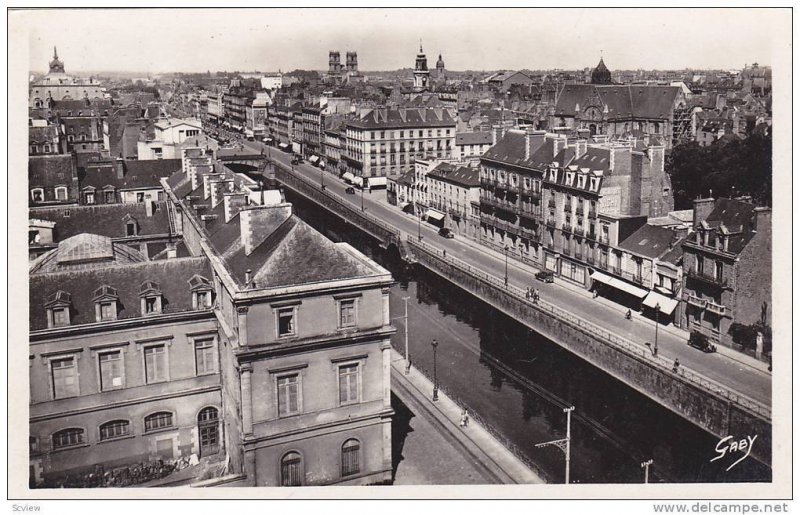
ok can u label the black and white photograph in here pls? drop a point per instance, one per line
(414, 253)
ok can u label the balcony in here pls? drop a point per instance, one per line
(590, 259)
(550, 222)
(592, 213)
(579, 211)
(551, 203)
(603, 239)
(535, 195)
(567, 208)
(566, 228)
(715, 308)
(530, 214)
(720, 282)
(695, 301)
(578, 231)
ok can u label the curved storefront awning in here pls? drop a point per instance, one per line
(348, 176)
(665, 304)
(283, 145)
(313, 159)
(620, 285)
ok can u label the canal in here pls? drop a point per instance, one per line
(519, 382)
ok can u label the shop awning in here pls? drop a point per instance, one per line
(434, 214)
(620, 285)
(403, 205)
(313, 159)
(283, 145)
(665, 304)
(348, 176)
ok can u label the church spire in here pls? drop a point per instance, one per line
(55, 52)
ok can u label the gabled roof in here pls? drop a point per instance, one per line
(85, 251)
(738, 218)
(50, 171)
(405, 117)
(47, 134)
(103, 219)
(618, 102)
(510, 149)
(650, 241)
(172, 276)
(459, 175)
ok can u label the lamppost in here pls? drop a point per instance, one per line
(435, 344)
(322, 179)
(505, 277)
(655, 345)
(362, 194)
(419, 225)
(563, 443)
(646, 466)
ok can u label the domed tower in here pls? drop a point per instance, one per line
(421, 73)
(56, 66)
(440, 68)
(601, 74)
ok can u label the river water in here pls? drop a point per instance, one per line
(519, 382)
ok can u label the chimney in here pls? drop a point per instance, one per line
(559, 143)
(580, 147)
(172, 251)
(257, 223)
(148, 207)
(207, 178)
(207, 219)
(233, 203)
(248, 277)
(763, 218)
(701, 209)
(533, 140)
(656, 155)
(119, 164)
(217, 188)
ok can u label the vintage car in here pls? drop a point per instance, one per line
(350, 190)
(545, 276)
(700, 341)
(445, 232)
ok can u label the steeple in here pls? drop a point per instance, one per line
(421, 73)
(601, 74)
(56, 66)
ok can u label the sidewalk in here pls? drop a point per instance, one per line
(475, 441)
(729, 353)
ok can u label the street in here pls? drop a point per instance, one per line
(733, 374)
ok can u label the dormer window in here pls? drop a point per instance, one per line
(106, 300)
(581, 181)
(150, 296)
(37, 194)
(58, 309)
(201, 292)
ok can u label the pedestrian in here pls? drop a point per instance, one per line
(594, 294)
(536, 295)
(527, 293)
(676, 365)
(464, 418)
(628, 315)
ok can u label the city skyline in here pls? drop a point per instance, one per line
(391, 43)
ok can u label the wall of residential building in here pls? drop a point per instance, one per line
(753, 274)
(184, 393)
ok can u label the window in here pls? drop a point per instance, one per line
(65, 377)
(61, 193)
(130, 229)
(291, 469)
(111, 371)
(88, 197)
(203, 299)
(37, 195)
(347, 313)
(60, 317)
(288, 395)
(114, 429)
(204, 356)
(286, 326)
(140, 196)
(68, 438)
(155, 363)
(350, 457)
(718, 271)
(348, 383)
(157, 421)
(208, 427)
(107, 311)
(110, 199)
(151, 305)
(700, 264)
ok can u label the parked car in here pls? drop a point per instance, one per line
(700, 341)
(350, 190)
(545, 276)
(297, 160)
(445, 232)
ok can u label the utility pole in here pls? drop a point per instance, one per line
(646, 466)
(419, 226)
(563, 443)
(505, 277)
(435, 344)
(655, 345)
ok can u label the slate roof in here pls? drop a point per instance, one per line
(622, 102)
(50, 171)
(137, 174)
(171, 275)
(459, 175)
(510, 149)
(406, 117)
(40, 135)
(738, 218)
(103, 219)
(406, 178)
(473, 138)
(85, 251)
(596, 159)
(650, 241)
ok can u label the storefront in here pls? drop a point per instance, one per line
(435, 217)
(619, 291)
(573, 271)
(550, 262)
(657, 305)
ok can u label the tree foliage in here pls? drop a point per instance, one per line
(725, 169)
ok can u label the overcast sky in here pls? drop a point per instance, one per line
(271, 39)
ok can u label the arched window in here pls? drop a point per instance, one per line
(157, 421)
(208, 428)
(68, 438)
(351, 451)
(114, 429)
(291, 469)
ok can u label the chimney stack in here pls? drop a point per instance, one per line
(701, 209)
(233, 204)
(580, 148)
(148, 207)
(533, 140)
(257, 223)
(207, 178)
(120, 166)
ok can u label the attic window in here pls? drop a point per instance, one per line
(37, 194)
(201, 292)
(105, 301)
(58, 309)
(581, 181)
(151, 297)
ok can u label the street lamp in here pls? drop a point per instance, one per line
(419, 226)
(362, 194)
(563, 443)
(655, 345)
(505, 277)
(435, 344)
(646, 466)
